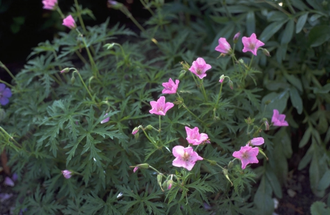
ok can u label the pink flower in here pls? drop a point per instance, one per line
(247, 155)
(160, 107)
(185, 157)
(106, 119)
(199, 67)
(135, 169)
(135, 130)
(224, 46)
(49, 4)
(251, 44)
(66, 174)
(194, 137)
(69, 22)
(170, 87)
(257, 141)
(279, 119)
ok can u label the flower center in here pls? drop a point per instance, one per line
(199, 72)
(251, 46)
(245, 155)
(185, 156)
(160, 109)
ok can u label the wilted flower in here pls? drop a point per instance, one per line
(66, 174)
(5, 93)
(106, 119)
(194, 137)
(185, 157)
(251, 44)
(9, 182)
(224, 46)
(247, 155)
(160, 107)
(170, 87)
(257, 141)
(279, 119)
(199, 67)
(49, 4)
(69, 22)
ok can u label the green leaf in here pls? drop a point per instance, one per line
(270, 30)
(306, 159)
(288, 32)
(296, 100)
(301, 22)
(294, 81)
(250, 22)
(305, 138)
(263, 198)
(319, 208)
(325, 181)
(276, 100)
(319, 35)
(272, 179)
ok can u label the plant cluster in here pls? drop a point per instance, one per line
(81, 126)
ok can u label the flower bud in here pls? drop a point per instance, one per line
(73, 79)
(67, 174)
(222, 77)
(266, 52)
(66, 70)
(235, 38)
(109, 45)
(149, 127)
(114, 4)
(225, 172)
(159, 180)
(231, 84)
(135, 130)
(169, 184)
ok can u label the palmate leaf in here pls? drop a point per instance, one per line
(41, 203)
(96, 205)
(147, 201)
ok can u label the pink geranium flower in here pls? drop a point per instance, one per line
(160, 107)
(247, 155)
(66, 174)
(69, 22)
(224, 46)
(196, 138)
(279, 119)
(170, 87)
(257, 141)
(185, 157)
(49, 4)
(251, 44)
(199, 67)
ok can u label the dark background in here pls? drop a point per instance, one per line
(24, 24)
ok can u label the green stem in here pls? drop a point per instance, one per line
(10, 137)
(147, 7)
(183, 104)
(219, 96)
(203, 89)
(156, 170)
(8, 71)
(11, 86)
(94, 67)
(79, 16)
(251, 62)
(82, 81)
(160, 124)
(145, 133)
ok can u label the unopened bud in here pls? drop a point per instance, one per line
(66, 70)
(73, 79)
(67, 174)
(225, 172)
(182, 73)
(235, 38)
(109, 45)
(135, 130)
(169, 184)
(114, 4)
(159, 180)
(231, 84)
(185, 66)
(149, 127)
(266, 52)
(222, 77)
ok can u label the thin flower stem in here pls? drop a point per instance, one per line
(183, 104)
(81, 57)
(55, 79)
(219, 166)
(145, 133)
(251, 62)
(203, 90)
(219, 96)
(95, 69)
(8, 71)
(11, 86)
(147, 7)
(10, 137)
(156, 170)
(82, 81)
(160, 124)
(60, 12)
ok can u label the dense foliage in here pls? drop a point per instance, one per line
(79, 98)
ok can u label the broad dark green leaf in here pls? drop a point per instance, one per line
(288, 32)
(263, 198)
(305, 138)
(296, 100)
(250, 23)
(325, 181)
(301, 22)
(319, 35)
(270, 30)
(319, 208)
